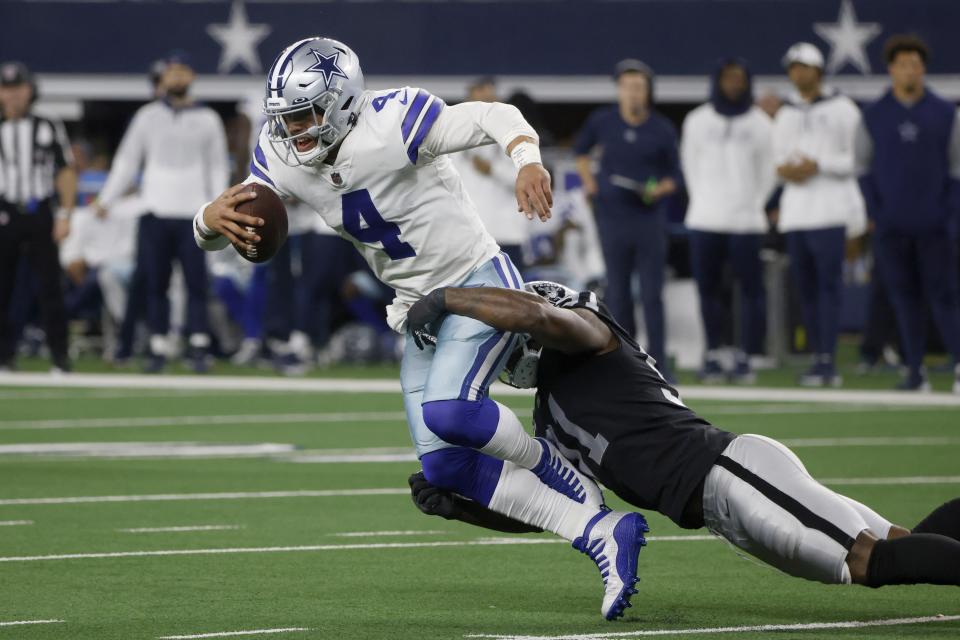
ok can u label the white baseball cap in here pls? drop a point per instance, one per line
(804, 53)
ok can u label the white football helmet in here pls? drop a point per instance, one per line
(521, 368)
(317, 79)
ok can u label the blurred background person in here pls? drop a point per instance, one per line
(727, 157)
(296, 277)
(770, 102)
(821, 203)
(182, 147)
(637, 167)
(38, 191)
(490, 177)
(98, 258)
(136, 299)
(910, 145)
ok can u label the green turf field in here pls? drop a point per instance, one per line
(306, 524)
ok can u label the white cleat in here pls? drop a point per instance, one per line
(613, 541)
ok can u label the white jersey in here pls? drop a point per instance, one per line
(393, 193)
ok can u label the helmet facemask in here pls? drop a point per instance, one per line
(319, 128)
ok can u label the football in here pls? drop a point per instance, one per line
(273, 233)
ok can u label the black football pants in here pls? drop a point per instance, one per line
(30, 235)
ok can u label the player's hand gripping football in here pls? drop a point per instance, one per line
(221, 216)
(533, 191)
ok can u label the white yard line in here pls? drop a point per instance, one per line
(837, 396)
(908, 441)
(332, 493)
(173, 450)
(290, 549)
(228, 634)
(204, 527)
(17, 623)
(201, 421)
(698, 538)
(906, 480)
(350, 457)
(797, 408)
(480, 542)
(236, 495)
(107, 394)
(15, 523)
(803, 626)
(372, 534)
(392, 386)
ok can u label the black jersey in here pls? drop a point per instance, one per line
(617, 418)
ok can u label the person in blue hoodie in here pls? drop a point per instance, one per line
(638, 168)
(727, 155)
(910, 148)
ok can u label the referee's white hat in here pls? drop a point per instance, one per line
(804, 53)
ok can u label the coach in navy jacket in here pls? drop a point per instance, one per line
(638, 167)
(910, 147)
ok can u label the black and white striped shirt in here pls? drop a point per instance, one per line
(33, 149)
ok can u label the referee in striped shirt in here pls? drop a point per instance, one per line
(38, 189)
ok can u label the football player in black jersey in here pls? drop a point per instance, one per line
(603, 403)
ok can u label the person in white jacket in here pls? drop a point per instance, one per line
(821, 204)
(490, 177)
(727, 157)
(182, 149)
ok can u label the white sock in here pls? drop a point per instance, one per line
(510, 442)
(520, 495)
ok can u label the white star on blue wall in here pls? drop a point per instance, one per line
(238, 39)
(848, 39)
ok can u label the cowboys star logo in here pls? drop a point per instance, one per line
(327, 65)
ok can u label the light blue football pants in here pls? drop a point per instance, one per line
(467, 358)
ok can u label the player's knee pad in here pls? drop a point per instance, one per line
(465, 471)
(465, 423)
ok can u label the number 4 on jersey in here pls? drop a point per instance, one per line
(357, 206)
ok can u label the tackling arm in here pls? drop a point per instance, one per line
(566, 330)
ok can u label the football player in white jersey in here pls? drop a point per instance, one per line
(373, 164)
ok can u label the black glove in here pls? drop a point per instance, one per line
(425, 316)
(431, 500)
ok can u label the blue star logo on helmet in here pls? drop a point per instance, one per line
(327, 65)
